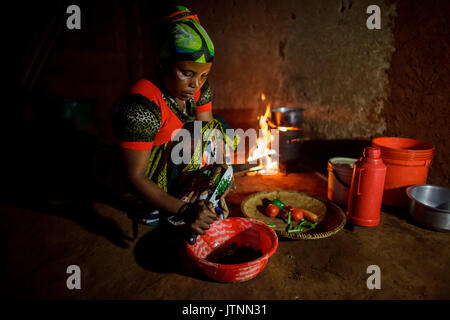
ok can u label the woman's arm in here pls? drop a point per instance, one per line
(135, 166)
(201, 213)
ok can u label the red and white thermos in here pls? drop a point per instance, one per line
(366, 191)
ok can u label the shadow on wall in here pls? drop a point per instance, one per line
(316, 153)
(418, 103)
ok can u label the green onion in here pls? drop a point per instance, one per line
(295, 230)
(289, 226)
(300, 225)
(310, 225)
(289, 217)
(271, 225)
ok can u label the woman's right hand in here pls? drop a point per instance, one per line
(202, 215)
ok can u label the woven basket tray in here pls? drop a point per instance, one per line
(331, 217)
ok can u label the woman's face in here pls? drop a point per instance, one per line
(184, 78)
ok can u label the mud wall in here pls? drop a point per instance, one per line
(418, 102)
(354, 83)
(318, 55)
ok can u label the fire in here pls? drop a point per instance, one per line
(263, 151)
(284, 129)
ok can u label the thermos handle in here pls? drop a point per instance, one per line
(358, 192)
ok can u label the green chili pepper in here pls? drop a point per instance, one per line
(271, 225)
(278, 203)
(289, 217)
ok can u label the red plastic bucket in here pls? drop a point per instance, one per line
(407, 161)
(240, 231)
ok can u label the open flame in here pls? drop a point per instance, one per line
(284, 129)
(263, 152)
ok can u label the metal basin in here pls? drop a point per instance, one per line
(430, 206)
(287, 116)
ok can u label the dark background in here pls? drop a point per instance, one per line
(354, 84)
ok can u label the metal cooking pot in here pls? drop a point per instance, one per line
(430, 206)
(287, 116)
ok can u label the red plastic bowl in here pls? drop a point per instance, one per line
(243, 232)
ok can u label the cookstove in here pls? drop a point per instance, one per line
(288, 121)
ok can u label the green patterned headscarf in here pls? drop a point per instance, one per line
(185, 38)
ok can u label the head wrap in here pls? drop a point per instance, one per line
(185, 38)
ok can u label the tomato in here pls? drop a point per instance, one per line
(272, 210)
(297, 214)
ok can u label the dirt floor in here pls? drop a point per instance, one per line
(41, 242)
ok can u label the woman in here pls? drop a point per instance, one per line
(146, 118)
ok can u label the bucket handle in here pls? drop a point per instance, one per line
(340, 180)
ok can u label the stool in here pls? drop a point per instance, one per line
(152, 220)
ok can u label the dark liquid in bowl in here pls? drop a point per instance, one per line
(232, 253)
